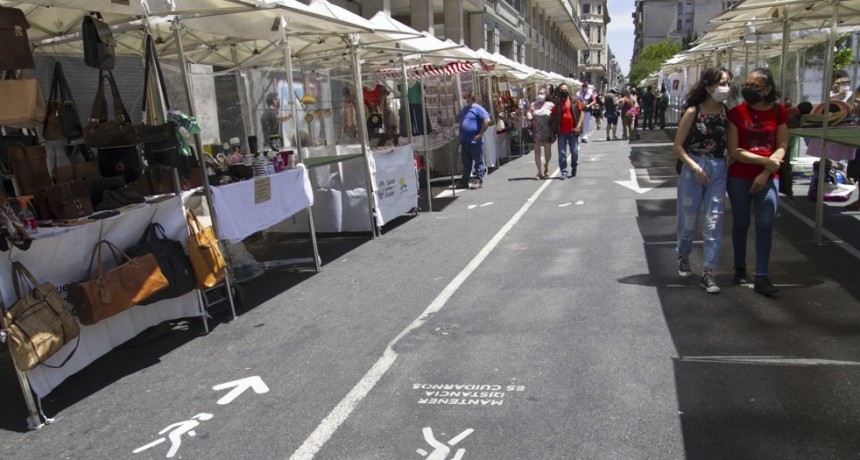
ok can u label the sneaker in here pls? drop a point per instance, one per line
(585, 141)
(709, 283)
(764, 286)
(475, 184)
(684, 267)
(563, 175)
(573, 172)
(740, 276)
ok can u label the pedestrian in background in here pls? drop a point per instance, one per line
(542, 132)
(700, 144)
(662, 105)
(597, 110)
(628, 115)
(647, 104)
(757, 141)
(567, 120)
(586, 96)
(610, 108)
(474, 120)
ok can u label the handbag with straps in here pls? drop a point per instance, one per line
(171, 259)
(69, 200)
(99, 44)
(39, 324)
(22, 104)
(30, 165)
(77, 170)
(62, 120)
(118, 289)
(119, 197)
(15, 50)
(101, 132)
(160, 142)
(205, 253)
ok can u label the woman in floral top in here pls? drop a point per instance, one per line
(540, 111)
(700, 144)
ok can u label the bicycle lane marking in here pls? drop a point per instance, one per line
(317, 439)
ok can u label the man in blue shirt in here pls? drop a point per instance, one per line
(474, 120)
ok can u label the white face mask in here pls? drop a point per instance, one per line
(721, 94)
(541, 97)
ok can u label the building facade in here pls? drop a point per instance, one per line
(595, 58)
(544, 34)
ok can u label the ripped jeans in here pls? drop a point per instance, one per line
(692, 196)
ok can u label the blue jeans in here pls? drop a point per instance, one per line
(565, 140)
(472, 153)
(763, 204)
(691, 197)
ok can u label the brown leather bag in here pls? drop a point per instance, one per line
(83, 170)
(15, 50)
(30, 166)
(22, 104)
(205, 254)
(117, 290)
(69, 200)
(39, 324)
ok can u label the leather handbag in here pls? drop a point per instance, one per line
(101, 132)
(99, 43)
(118, 289)
(374, 121)
(15, 50)
(62, 120)
(100, 184)
(117, 198)
(22, 104)
(69, 200)
(160, 141)
(171, 259)
(120, 161)
(12, 139)
(205, 253)
(39, 324)
(30, 165)
(77, 170)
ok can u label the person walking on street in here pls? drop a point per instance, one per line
(700, 144)
(647, 104)
(597, 110)
(610, 107)
(544, 136)
(662, 106)
(628, 115)
(474, 120)
(586, 96)
(567, 120)
(757, 141)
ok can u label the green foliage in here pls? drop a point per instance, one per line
(842, 58)
(651, 58)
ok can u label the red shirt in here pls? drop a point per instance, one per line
(567, 120)
(756, 134)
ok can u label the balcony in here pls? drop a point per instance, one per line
(507, 12)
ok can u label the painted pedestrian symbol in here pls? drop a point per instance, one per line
(175, 432)
(440, 449)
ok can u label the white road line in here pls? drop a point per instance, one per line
(344, 408)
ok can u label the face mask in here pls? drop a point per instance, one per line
(842, 89)
(721, 94)
(564, 94)
(752, 96)
(541, 97)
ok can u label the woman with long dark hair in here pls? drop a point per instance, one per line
(700, 145)
(758, 136)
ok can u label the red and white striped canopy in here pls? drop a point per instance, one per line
(419, 71)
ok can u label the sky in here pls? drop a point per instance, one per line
(619, 33)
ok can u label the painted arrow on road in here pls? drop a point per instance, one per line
(633, 183)
(239, 387)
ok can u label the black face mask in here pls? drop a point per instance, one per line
(751, 96)
(564, 94)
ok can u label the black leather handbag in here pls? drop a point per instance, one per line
(62, 120)
(15, 50)
(99, 44)
(101, 132)
(160, 144)
(172, 261)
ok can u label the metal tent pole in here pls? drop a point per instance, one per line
(201, 158)
(353, 41)
(426, 118)
(294, 113)
(783, 63)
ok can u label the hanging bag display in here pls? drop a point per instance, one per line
(160, 142)
(22, 104)
(69, 200)
(101, 132)
(76, 170)
(15, 50)
(204, 252)
(99, 44)
(62, 120)
(118, 289)
(30, 166)
(39, 324)
(171, 259)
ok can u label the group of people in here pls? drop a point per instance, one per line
(738, 153)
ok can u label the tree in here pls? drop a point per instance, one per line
(651, 58)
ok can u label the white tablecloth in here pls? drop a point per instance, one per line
(237, 216)
(62, 260)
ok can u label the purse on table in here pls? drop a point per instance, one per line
(15, 50)
(205, 253)
(22, 104)
(171, 259)
(39, 324)
(118, 289)
(69, 200)
(119, 197)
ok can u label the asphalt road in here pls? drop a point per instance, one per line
(526, 320)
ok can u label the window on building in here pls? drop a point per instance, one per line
(588, 76)
(688, 8)
(597, 57)
(599, 33)
(599, 8)
(586, 30)
(585, 56)
(586, 8)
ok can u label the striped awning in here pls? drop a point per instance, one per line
(418, 71)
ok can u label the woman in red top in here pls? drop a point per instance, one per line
(757, 139)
